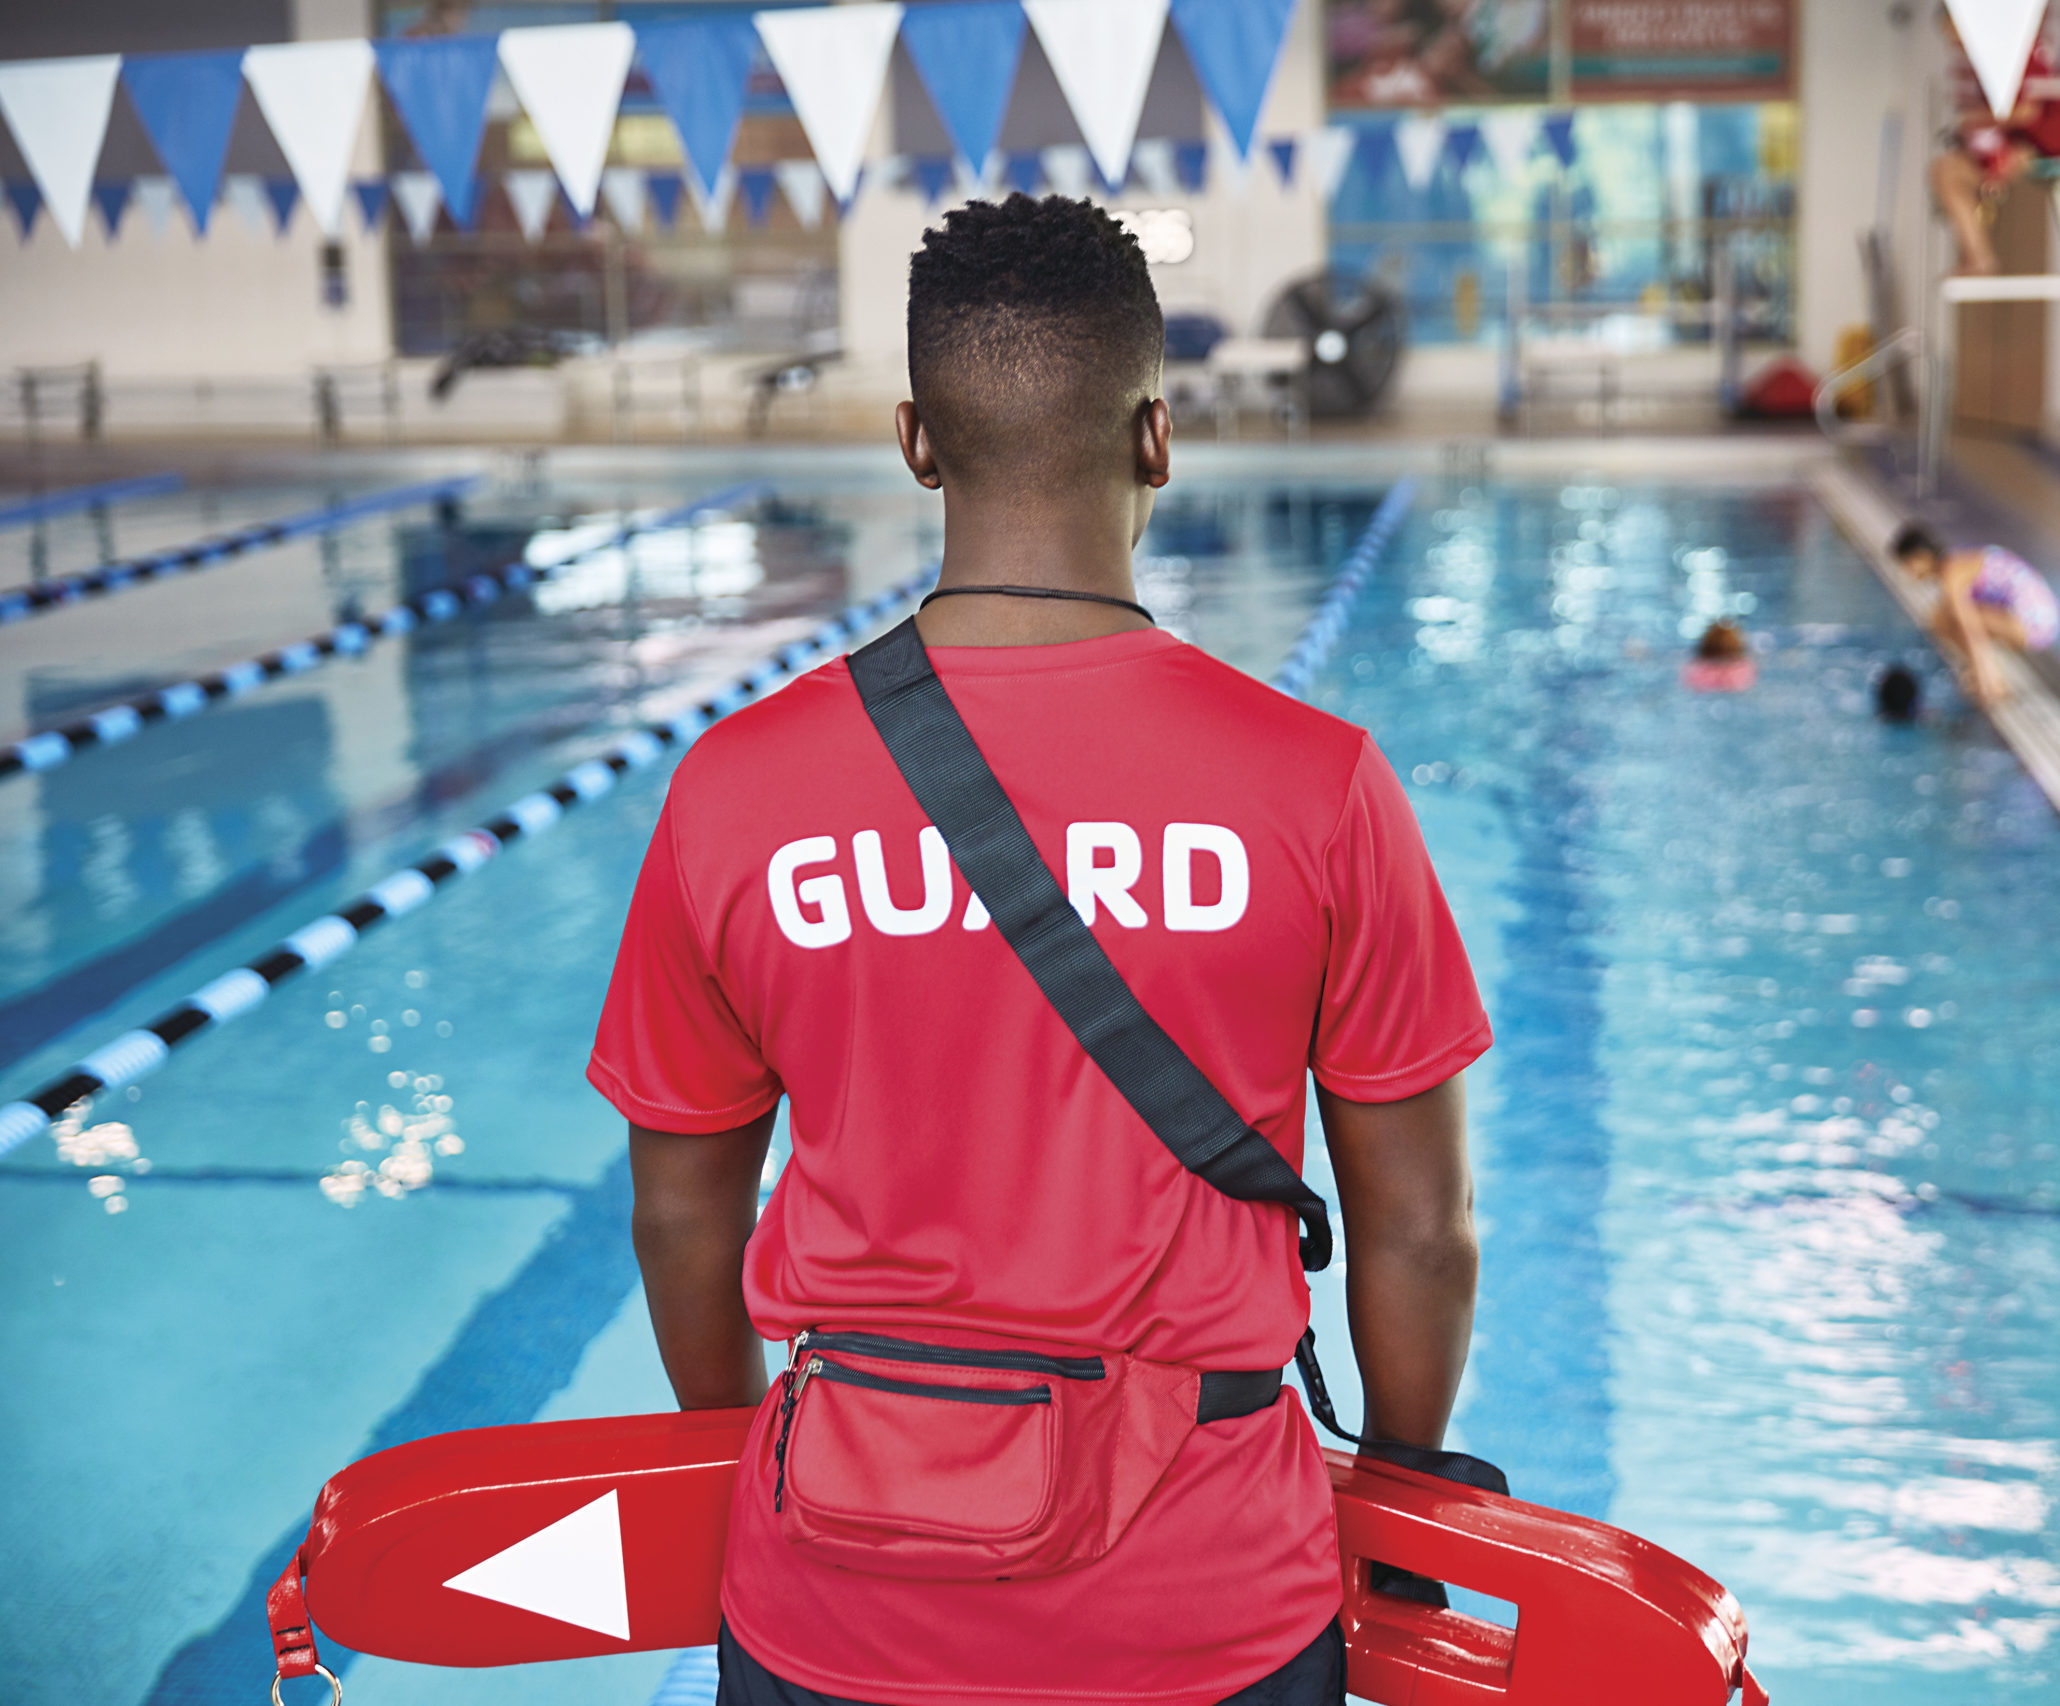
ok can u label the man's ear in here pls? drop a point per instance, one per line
(1154, 443)
(915, 446)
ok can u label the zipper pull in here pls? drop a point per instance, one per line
(790, 1395)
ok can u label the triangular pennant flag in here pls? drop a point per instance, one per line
(1069, 168)
(714, 205)
(113, 201)
(1510, 134)
(1419, 140)
(1282, 148)
(1996, 36)
(1191, 165)
(1234, 46)
(570, 1571)
(1152, 161)
(57, 109)
(569, 78)
(664, 190)
(1462, 143)
(933, 174)
(26, 200)
(801, 182)
(886, 172)
(1558, 130)
(187, 102)
(981, 184)
(622, 188)
(700, 68)
(1024, 171)
(833, 60)
(312, 94)
(157, 199)
(1102, 55)
(418, 195)
(371, 194)
(755, 184)
(1226, 163)
(440, 86)
(284, 195)
(1325, 154)
(966, 52)
(244, 192)
(532, 193)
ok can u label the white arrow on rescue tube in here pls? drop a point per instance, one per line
(570, 1571)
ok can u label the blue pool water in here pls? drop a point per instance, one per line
(1768, 1160)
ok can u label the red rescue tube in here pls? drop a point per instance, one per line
(561, 1540)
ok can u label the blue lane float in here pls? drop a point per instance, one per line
(1293, 677)
(135, 1054)
(48, 748)
(19, 603)
(76, 498)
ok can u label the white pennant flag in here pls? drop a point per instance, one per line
(801, 182)
(1419, 140)
(714, 209)
(57, 109)
(1997, 36)
(1152, 161)
(1102, 54)
(312, 94)
(569, 78)
(972, 185)
(418, 195)
(1510, 135)
(245, 193)
(624, 189)
(532, 192)
(1227, 167)
(157, 199)
(1323, 156)
(833, 60)
(1068, 168)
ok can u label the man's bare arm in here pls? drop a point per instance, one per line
(696, 1203)
(1411, 1258)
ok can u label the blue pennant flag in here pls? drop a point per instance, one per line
(1559, 136)
(1233, 46)
(665, 190)
(1462, 143)
(26, 201)
(700, 68)
(755, 185)
(187, 102)
(283, 194)
(1024, 171)
(933, 174)
(1373, 149)
(112, 198)
(371, 194)
(439, 86)
(1282, 148)
(1191, 165)
(966, 52)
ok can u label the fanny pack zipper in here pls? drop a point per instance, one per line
(948, 1356)
(837, 1372)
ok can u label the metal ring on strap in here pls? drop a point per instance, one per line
(335, 1687)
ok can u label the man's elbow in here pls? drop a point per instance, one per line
(1444, 1253)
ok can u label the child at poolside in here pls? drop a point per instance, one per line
(1986, 598)
(1723, 661)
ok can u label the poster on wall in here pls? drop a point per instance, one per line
(1401, 53)
(1668, 50)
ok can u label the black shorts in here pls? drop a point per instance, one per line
(1313, 1677)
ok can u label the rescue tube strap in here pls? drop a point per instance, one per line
(286, 1609)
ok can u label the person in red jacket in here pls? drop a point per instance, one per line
(964, 1181)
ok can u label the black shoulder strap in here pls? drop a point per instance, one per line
(942, 765)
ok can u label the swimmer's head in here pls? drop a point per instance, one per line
(1721, 642)
(1034, 346)
(1898, 694)
(1918, 549)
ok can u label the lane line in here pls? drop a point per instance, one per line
(48, 748)
(77, 498)
(135, 1054)
(19, 603)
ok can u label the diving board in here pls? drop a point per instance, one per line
(71, 501)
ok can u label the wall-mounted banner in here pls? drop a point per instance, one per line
(1386, 55)
(312, 95)
(1664, 50)
(57, 109)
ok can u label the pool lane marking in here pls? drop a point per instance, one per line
(1314, 645)
(19, 603)
(135, 1054)
(76, 498)
(48, 748)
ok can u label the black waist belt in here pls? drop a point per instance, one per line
(1230, 1393)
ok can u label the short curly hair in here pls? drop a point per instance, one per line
(1033, 335)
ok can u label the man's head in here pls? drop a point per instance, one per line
(1034, 346)
(1918, 549)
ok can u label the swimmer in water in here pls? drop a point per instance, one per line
(1723, 661)
(1986, 599)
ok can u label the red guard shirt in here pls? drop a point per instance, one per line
(1254, 871)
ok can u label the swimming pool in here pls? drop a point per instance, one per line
(1769, 1189)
